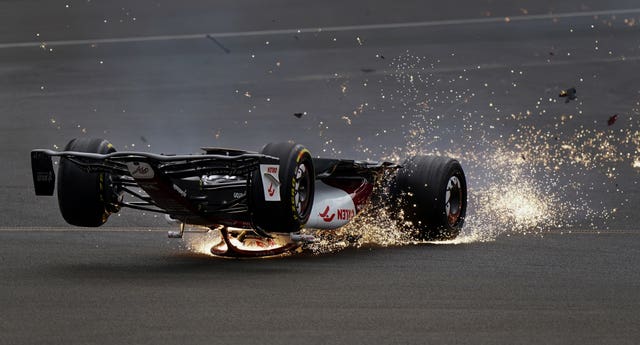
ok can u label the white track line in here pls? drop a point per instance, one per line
(487, 20)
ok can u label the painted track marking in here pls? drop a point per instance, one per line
(469, 21)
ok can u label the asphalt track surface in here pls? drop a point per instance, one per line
(154, 81)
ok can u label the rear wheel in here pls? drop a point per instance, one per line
(296, 185)
(85, 198)
(431, 193)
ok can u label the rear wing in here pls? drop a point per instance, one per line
(141, 164)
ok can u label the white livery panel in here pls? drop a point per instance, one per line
(270, 181)
(332, 208)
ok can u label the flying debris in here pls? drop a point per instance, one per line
(570, 94)
(299, 115)
(612, 119)
(214, 40)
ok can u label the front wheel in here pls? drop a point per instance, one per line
(430, 193)
(295, 185)
(85, 198)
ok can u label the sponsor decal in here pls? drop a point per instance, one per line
(345, 214)
(271, 190)
(341, 213)
(332, 208)
(325, 215)
(238, 195)
(140, 170)
(44, 176)
(270, 181)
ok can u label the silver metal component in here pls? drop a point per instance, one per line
(213, 180)
(302, 238)
(183, 228)
(453, 200)
(177, 234)
(171, 221)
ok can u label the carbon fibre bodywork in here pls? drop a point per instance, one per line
(210, 189)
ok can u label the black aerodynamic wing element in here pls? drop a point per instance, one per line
(143, 165)
(44, 177)
(211, 188)
(328, 167)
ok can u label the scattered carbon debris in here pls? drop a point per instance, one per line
(570, 94)
(612, 119)
(298, 115)
(367, 70)
(214, 40)
(143, 139)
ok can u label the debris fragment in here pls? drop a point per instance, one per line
(570, 94)
(380, 56)
(299, 115)
(214, 40)
(612, 119)
(367, 70)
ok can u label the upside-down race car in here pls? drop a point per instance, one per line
(258, 201)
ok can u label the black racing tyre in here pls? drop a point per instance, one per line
(297, 186)
(431, 192)
(85, 198)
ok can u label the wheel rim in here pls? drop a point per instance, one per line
(301, 188)
(453, 199)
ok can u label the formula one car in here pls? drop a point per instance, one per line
(258, 201)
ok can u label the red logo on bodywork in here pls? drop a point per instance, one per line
(325, 215)
(271, 190)
(346, 214)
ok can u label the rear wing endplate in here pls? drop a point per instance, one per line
(44, 179)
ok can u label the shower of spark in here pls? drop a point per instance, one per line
(523, 177)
